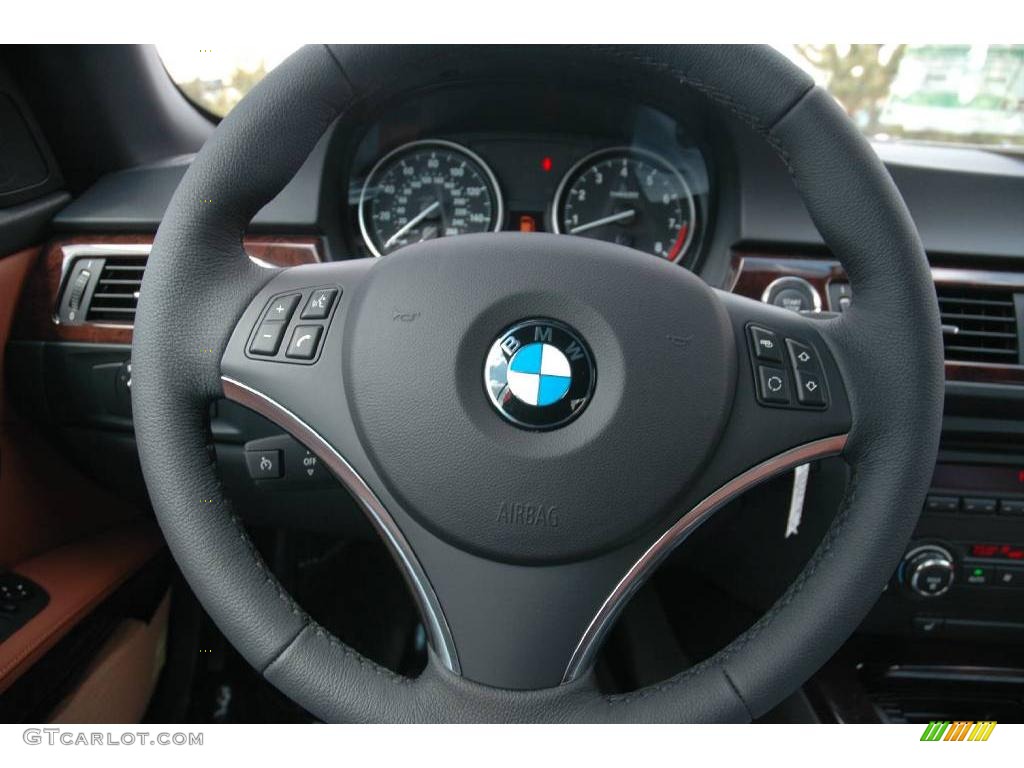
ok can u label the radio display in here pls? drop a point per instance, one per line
(998, 551)
(987, 478)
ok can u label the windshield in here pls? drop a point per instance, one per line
(949, 94)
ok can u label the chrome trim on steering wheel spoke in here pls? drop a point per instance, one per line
(586, 651)
(438, 631)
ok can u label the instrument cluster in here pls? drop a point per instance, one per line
(642, 184)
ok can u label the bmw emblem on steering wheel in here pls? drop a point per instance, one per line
(539, 374)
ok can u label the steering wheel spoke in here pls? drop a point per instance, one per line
(286, 345)
(284, 361)
(516, 626)
(791, 402)
(771, 430)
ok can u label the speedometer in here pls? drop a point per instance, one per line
(627, 196)
(424, 190)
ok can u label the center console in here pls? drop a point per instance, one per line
(962, 576)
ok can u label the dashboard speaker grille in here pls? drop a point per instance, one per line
(117, 291)
(979, 324)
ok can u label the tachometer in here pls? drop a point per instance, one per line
(627, 196)
(427, 189)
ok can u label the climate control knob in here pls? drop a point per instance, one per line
(928, 571)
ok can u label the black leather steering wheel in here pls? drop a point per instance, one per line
(522, 545)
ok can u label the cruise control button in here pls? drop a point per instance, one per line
(263, 465)
(809, 389)
(802, 356)
(772, 384)
(766, 345)
(311, 467)
(305, 339)
(319, 304)
(268, 338)
(282, 307)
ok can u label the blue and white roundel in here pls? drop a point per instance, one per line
(539, 374)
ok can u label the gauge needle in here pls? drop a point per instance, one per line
(413, 222)
(620, 216)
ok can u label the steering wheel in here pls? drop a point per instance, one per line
(531, 421)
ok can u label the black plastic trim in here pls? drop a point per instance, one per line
(963, 201)
(27, 224)
(135, 200)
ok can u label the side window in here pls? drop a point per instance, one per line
(216, 79)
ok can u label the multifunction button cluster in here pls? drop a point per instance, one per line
(985, 573)
(930, 570)
(13, 590)
(20, 600)
(288, 336)
(787, 373)
(974, 505)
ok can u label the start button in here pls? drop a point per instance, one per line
(792, 293)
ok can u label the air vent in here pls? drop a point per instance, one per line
(979, 324)
(116, 294)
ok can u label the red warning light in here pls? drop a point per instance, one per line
(546, 164)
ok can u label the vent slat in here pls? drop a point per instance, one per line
(986, 334)
(986, 322)
(973, 351)
(117, 290)
(1007, 303)
(118, 310)
(981, 318)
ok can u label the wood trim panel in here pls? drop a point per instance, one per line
(751, 273)
(34, 317)
(77, 577)
(984, 373)
(282, 251)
